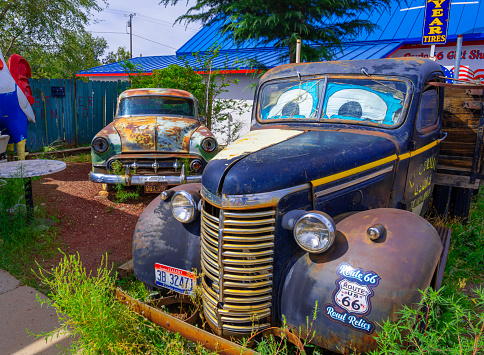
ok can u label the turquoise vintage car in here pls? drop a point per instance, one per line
(156, 139)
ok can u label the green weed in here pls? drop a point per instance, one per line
(23, 235)
(437, 325)
(466, 257)
(99, 324)
(77, 158)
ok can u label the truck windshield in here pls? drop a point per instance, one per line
(358, 100)
(156, 105)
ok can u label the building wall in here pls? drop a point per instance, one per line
(472, 55)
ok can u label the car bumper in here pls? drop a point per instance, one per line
(142, 179)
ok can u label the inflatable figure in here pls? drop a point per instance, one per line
(15, 100)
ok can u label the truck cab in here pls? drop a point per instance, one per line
(320, 203)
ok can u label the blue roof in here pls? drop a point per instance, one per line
(396, 26)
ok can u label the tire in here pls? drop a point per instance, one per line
(461, 202)
(107, 187)
(442, 200)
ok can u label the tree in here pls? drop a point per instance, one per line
(54, 29)
(76, 52)
(206, 87)
(323, 25)
(120, 55)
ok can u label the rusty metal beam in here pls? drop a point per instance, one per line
(187, 331)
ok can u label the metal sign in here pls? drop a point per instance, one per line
(436, 22)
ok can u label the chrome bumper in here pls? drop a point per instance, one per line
(142, 179)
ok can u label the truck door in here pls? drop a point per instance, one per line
(424, 149)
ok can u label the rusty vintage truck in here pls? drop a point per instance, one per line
(156, 140)
(321, 202)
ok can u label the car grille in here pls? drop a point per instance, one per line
(147, 166)
(237, 261)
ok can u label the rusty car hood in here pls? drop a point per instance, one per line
(300, 158)
(155, 133)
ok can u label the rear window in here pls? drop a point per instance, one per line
(156, 105)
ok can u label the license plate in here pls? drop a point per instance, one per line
(155, 187)
(177, 280)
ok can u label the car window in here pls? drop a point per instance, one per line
(291, 100)
(364, 100)
(428, 109)
(156, 105)
(360, 100)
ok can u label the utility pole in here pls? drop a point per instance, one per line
(130, 25)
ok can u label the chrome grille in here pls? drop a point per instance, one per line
(237, 259)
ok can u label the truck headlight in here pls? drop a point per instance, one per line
(315, 232)
(184, 207)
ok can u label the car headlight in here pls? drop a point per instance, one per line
(184, 207)
(209, 144)
(315, 232)
(100, 144)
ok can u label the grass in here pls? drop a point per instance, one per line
(23, 239)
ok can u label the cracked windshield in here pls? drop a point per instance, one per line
(363, 101)
(156, 105)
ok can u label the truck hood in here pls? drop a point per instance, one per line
(150, 134)
(290, 161)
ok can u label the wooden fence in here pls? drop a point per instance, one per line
(71, 111)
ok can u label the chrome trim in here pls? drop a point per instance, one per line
(352, 183)
(142, 179)
(323, 218)
(266, 199)
(192, 202)
(220, 254)
(237, 263)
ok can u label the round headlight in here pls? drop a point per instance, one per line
(315, 232)
(209, 144)
(195, 165)
(100, 144)
(183, 207)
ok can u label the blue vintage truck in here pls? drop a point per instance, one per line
(321, 202)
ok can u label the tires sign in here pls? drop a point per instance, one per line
(352, 298)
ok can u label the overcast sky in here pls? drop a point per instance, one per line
(153, 29)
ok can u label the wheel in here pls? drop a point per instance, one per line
(107, 187)
(441, 200)
(461, 202)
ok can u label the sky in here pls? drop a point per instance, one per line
(153, 29)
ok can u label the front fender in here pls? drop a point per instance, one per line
(359, 283)
(160, 238)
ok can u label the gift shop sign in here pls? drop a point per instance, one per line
(472, 55)
(436, 22)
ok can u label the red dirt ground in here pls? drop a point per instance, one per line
(89, 223)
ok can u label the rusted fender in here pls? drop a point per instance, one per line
(160, 238)
(358, 282)
(187, 331)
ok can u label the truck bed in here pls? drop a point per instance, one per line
(460, 158)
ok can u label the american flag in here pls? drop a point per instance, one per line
(465, 73)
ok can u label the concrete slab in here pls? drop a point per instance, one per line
(19, 311)
(7, 282)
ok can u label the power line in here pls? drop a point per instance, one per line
(150, 19)
(161, 44)
(120, 33)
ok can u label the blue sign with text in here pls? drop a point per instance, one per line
(436, 22)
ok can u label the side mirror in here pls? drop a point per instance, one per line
(203, 120)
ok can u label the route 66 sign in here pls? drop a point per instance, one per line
(353, 297)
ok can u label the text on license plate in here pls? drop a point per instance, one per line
(155, 187)
(178, 280)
